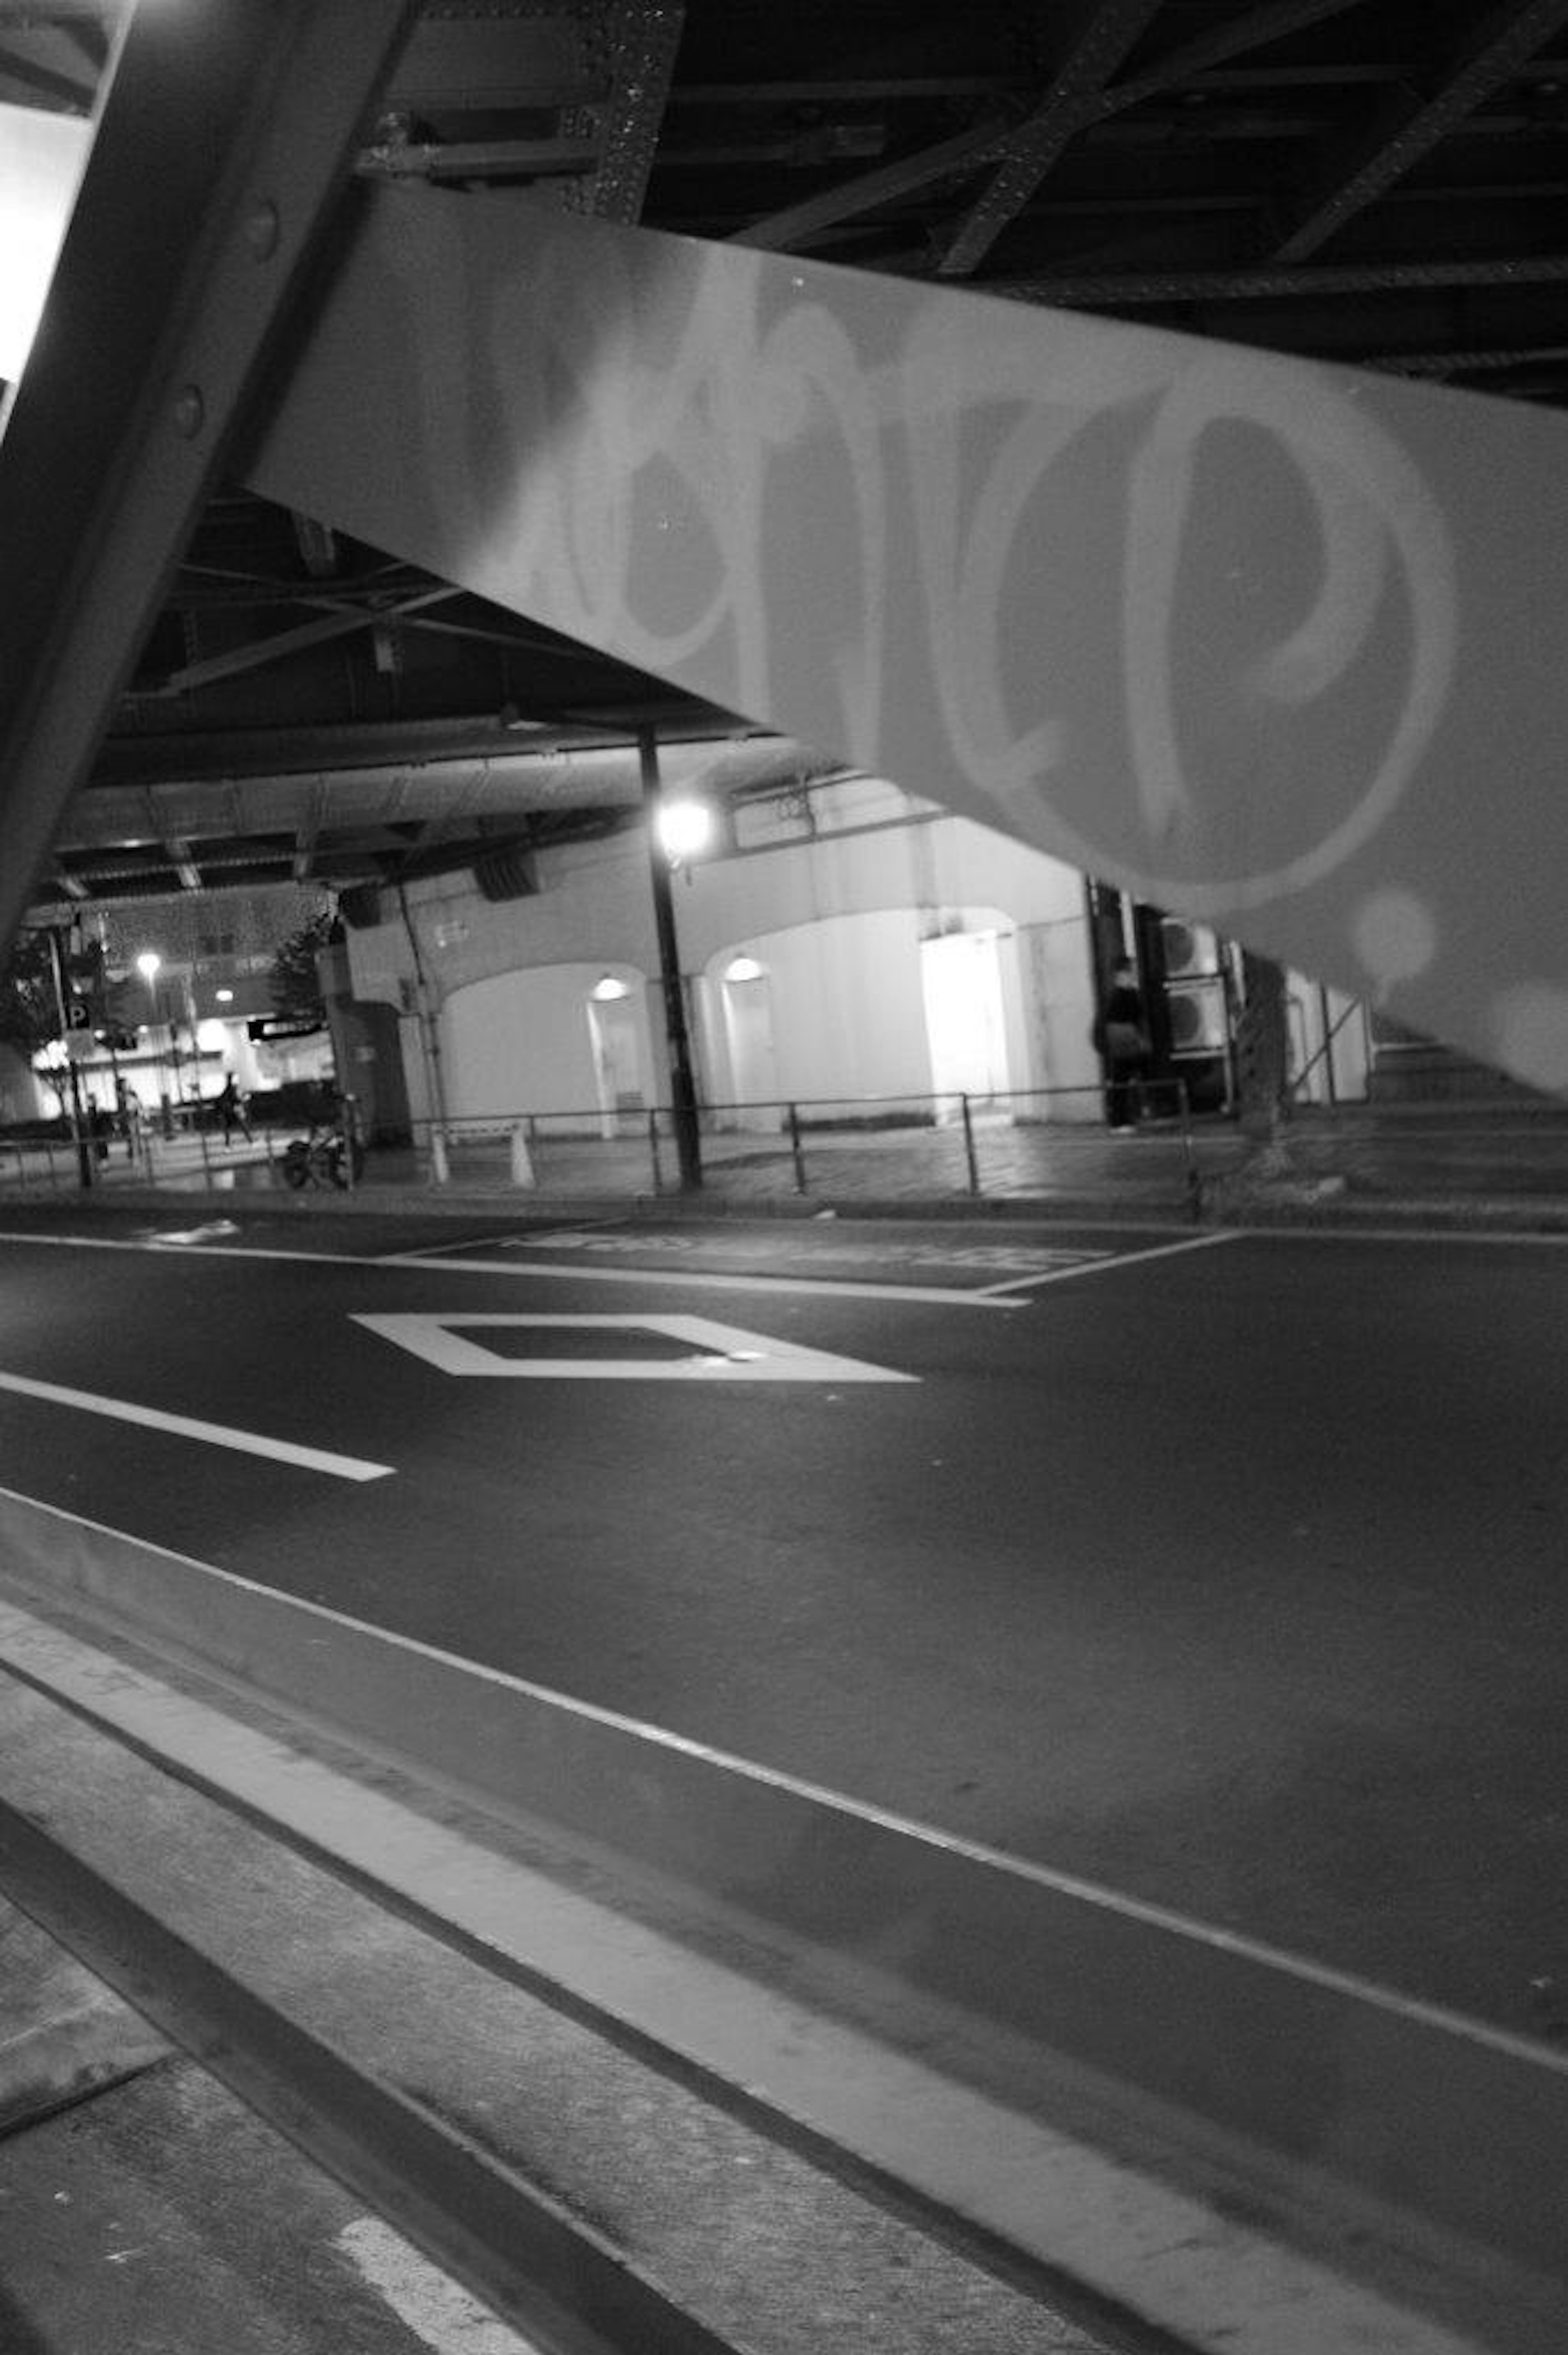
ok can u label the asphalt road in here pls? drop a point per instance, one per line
(1226, 1573)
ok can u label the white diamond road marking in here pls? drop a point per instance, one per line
(719, 1353)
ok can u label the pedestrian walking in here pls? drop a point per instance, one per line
(231, 1111)
(1121, 1039)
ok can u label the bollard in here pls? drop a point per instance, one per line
(796, 1154)
(521, 1162)
(970, 1162)
(440, 1173)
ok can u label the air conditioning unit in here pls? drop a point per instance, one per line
(507, 873)
(1189, 950)
(1196, 1013)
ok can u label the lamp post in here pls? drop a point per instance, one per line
(149, 965)
(676, 831)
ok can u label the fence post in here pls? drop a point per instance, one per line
(796, 1154)
(654, 1151)
(1194, 1175)
(969, 1145)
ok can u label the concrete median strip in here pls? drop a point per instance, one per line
(1246, 2152)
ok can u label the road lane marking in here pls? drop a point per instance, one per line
(721, 1353)
(927, 1294)
(712, 1280)
(184, 1427)
(436, 2308)
(1098, 1265)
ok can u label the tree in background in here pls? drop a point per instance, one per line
(29, 1002)
(294, 982)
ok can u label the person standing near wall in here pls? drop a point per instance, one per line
(1121, 1039)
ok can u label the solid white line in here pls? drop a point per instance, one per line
(1116, 1259)
(183, 1426)
(774, 1778)
(818, 1287)
(930, 1295)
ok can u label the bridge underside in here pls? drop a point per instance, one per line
(1264, 640)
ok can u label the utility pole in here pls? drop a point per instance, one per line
(682, 1085)
(69, 1005)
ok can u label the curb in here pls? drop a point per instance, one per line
(69, 2037)
(1251, 1207)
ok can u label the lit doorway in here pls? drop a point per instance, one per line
(616, 1054)
(966, 1028)
(748, 1034)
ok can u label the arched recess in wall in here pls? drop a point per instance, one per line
(525, 1042)
(741, 993)
(618, 1033)
(968, 974)
(840, 1010)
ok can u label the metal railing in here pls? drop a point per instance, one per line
(955, 1143)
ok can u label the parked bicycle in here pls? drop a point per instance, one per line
(327, 1157)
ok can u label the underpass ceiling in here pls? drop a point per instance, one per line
(1378, 182)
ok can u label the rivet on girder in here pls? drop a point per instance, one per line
(189, 412)
(262, 229)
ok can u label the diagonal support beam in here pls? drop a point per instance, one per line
(1258, 640)
(797, 224)
(126, 408)
(1412, 125)
(990, 141)
(1255, 26)
(283, 643)
(1105, 31)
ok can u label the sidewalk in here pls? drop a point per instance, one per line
(1500, 1165)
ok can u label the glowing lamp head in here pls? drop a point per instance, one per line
(685, 830)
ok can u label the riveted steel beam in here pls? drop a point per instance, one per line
(643, 36)
(1415, 122)
(1100, 38)
(1175, 287)
(128, 407)
(991, 140)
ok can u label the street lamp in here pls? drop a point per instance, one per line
(674, 835)
(686, 829)
(149, 965)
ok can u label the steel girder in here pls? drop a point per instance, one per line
(1260, 640)
(225, 139)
